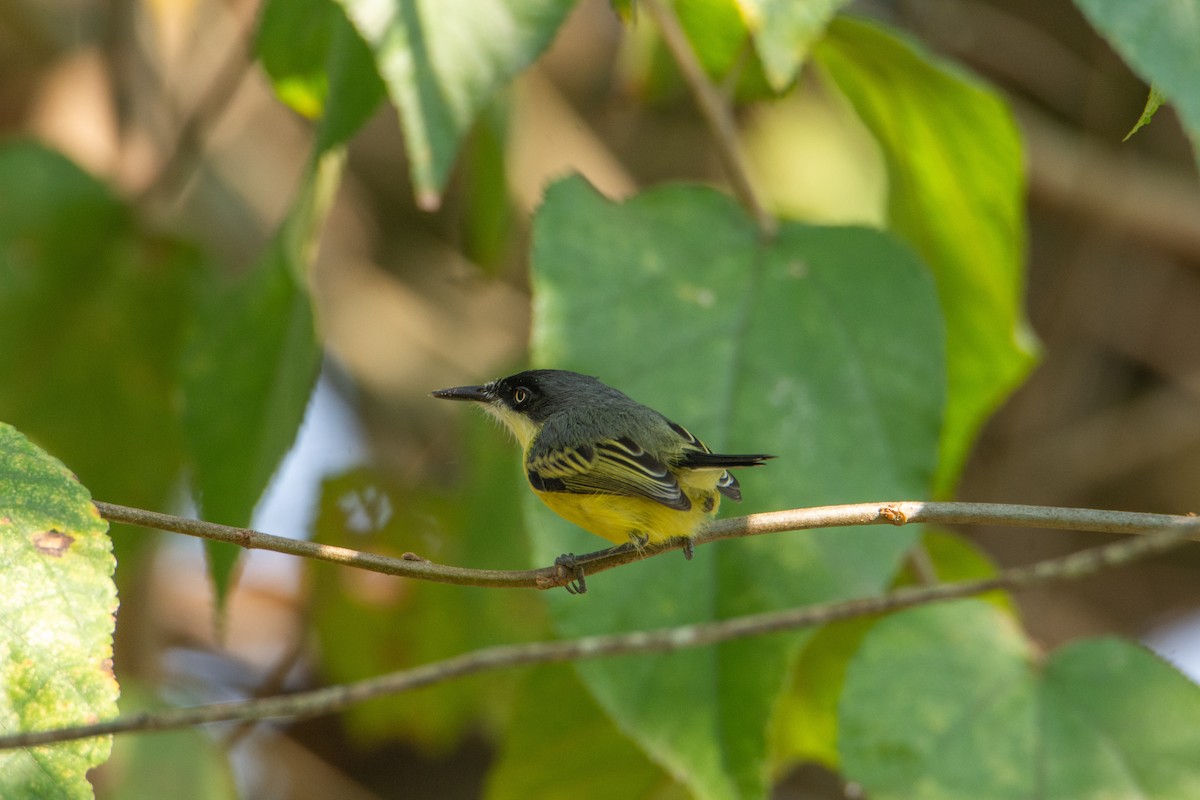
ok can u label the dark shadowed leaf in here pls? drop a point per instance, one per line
(249, 369)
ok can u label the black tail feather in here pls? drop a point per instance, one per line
(694, 459)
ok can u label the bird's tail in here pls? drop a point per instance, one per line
(697, 460)
(726, 484)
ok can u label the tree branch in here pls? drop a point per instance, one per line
(714, 107)
(336, 698)
(796, 519)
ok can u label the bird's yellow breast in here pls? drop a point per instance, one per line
(621, 518)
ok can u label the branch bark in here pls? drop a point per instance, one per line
(336, 698)
(715, 109)
(796, 519)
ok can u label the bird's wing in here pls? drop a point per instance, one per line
(605, 466)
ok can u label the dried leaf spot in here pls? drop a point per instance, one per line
(53, 543)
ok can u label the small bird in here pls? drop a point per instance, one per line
(610, 465)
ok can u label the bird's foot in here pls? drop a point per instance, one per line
(689, 547)
(574, 564)
(571, 564)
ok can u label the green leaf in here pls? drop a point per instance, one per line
(574, 753)
(949, 701)
(1118, 721)
(444, 60)
(93, 312)
(369, 624)
(319, 65)
(1153, 101)
(955, 167)
(797, 347)
(939, 702)
(784, 30)
(249, 369)
(56, 612)
(1159, 40)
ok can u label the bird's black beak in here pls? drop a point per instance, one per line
(479, 394)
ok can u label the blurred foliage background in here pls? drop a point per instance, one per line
(171, 200)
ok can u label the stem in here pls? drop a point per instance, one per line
(796, 519)
(336, 698)
(715, 109)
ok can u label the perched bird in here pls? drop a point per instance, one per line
(608, 464)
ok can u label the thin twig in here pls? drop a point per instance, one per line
(921, 564)
(271, 685)
(408, 566)
(715, 109)
(189, 140)
(336, 698)
(796, 519)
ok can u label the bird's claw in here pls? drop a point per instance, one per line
(568, 562)
(689, 548)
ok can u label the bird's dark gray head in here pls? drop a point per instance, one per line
(525, 400)
(539, 393)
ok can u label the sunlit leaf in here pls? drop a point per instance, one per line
(56, 612)
(956, 194)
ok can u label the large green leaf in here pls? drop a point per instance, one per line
(56, 612)
(1160, 40)
(250, 367)
(800, 347)
(956, 194)
(93, 312)
(951, 701)
(443, 61)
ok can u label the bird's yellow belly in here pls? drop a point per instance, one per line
(620, 518)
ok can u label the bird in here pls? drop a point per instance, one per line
(607, 463)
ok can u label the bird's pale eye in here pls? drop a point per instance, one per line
(520, 395)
